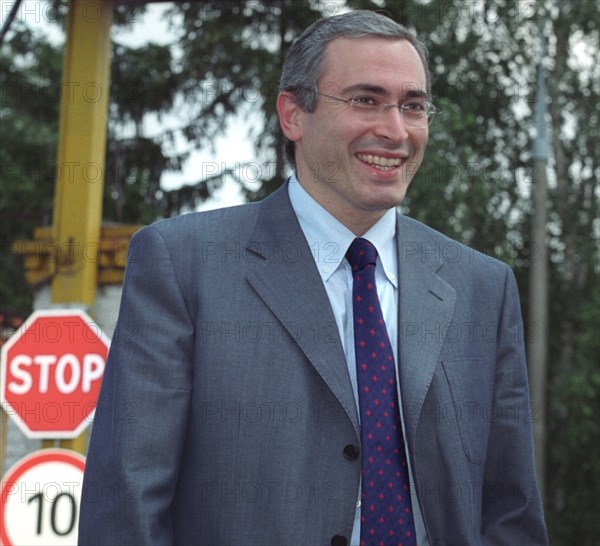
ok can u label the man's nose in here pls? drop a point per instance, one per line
(391, 124)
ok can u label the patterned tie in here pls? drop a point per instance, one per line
(386, 514)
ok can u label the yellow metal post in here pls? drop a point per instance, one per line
(81, 151)
(81, 158)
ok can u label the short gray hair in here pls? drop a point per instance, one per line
(304, 61)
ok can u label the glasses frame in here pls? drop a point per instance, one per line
(381, 109)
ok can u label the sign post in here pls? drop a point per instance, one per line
(50, 373)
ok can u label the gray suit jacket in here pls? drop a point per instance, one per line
(226, 415)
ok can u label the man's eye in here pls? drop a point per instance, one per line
(364, 101)
(414, 106)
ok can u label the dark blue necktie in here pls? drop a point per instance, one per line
(386, 513)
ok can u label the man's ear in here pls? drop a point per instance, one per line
(290, 116)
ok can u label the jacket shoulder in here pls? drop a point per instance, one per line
(417, 240)
(222, 224)
(188, 232)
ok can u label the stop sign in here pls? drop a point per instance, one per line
(50, 373)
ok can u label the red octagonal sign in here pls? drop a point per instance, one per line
(50, 373)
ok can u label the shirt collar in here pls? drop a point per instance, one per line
(329, 239)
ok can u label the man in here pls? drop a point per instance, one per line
(266, 386)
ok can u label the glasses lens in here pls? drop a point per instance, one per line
(415, 113)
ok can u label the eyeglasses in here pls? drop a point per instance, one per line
(415, 112)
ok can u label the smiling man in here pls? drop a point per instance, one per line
(308, 370)
(357, 152)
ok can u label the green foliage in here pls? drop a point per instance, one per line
(29, 115)
(574, 428)
(144, 84)
(143, 81)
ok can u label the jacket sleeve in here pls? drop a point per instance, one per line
(512, 507)
(141, 417)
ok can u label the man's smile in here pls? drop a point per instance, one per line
(381, 162)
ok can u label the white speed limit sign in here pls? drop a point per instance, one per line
(40, 498)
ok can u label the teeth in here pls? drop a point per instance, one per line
(387, 163)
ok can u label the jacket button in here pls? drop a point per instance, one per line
(351, 452)
(339, 540)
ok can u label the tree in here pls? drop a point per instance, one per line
(29, 113)
(574, 385)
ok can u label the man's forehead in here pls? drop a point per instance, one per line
(345, 56)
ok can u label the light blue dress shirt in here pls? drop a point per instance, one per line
(329, 240)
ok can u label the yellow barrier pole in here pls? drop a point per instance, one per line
(81, 158)
(81, 151)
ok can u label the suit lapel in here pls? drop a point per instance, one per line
(284, 275)
(425, 309)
